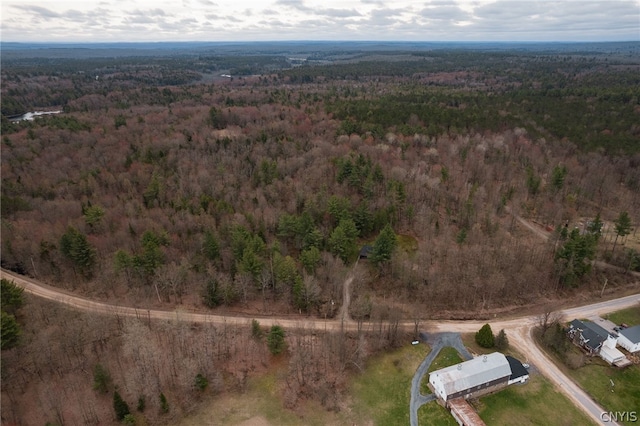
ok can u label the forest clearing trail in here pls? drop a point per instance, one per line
(545, 235)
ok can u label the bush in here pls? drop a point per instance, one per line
(201, 382)
(164, 404)
(484, 337)
(142, 403)
(256, 331)
(101, 379)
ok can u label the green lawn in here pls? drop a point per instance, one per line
(383, 391)
(534, 403)
(595, 379)
(630, 316)
(434, 414)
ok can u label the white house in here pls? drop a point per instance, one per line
(610, 353)
(629, 338)
(477, 376)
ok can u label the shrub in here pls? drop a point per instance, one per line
(201, 382)
(164, 404)
(101, 379)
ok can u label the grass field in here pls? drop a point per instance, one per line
(630, 316)
(596, 380)
(383, 392)
(534, 403)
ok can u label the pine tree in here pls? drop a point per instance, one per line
(501, 341)
(484, 337)
(120, 406)
(164, 404)
(622, 227)
(210, 246)
(384, 246)
(275, 340)
(10, 331)
(74, 246)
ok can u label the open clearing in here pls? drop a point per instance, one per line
(534, 403)
(629, 316)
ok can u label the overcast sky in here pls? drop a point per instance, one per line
(247, 20)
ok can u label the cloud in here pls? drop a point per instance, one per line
(38, 11)
(445, 13)
(490, 20)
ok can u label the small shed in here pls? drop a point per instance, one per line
(629, 338)
(365, 251)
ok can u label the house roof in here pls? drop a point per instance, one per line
(611, 353)
(365, 251)
(592, 333)
(517, 369)
(631, 333)
(472, 373)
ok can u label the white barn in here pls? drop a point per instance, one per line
(629, 338)
(477, 376)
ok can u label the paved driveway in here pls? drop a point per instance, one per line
(437, 341)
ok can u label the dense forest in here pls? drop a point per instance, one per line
(249, 183)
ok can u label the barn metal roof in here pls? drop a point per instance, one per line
(475, 372)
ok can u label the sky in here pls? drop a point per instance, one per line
(272, 20)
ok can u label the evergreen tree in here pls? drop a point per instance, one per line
(342, 242)
(201, 382)
(275, 340)
(384, 246)
(310, 259)
(595, 226)
(484, 337)
(11, 298)
(101, 378)
(501, 341)
(75, 247)
(164, 404)
(10, 332)
(212, 296)
(256, 330)
(210, 246)
(120, 406)
(557, 177)
(622, 227)
(573, 258)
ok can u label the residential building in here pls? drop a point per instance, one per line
(629, 338)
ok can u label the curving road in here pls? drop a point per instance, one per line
(518, 329)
